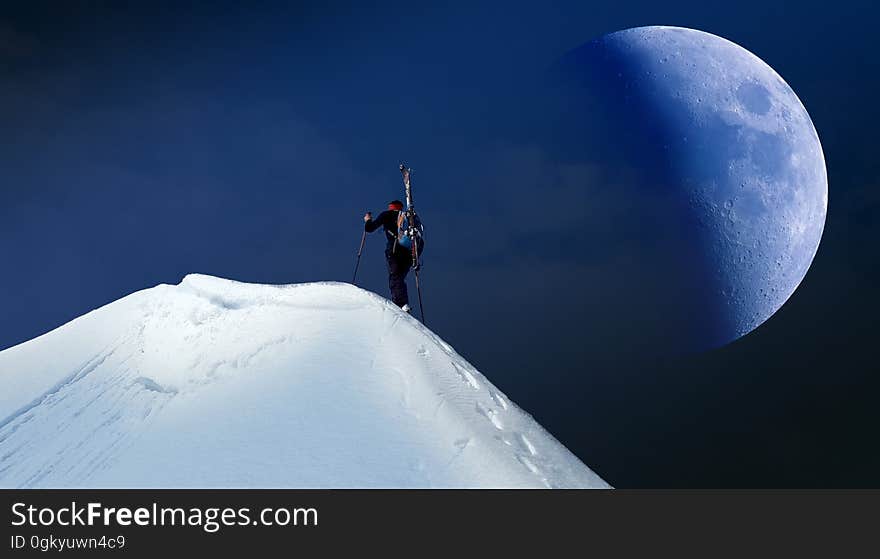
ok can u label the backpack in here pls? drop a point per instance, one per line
(403, 227)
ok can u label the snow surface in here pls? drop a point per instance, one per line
(215, 383)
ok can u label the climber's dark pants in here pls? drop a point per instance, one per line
(399, 262)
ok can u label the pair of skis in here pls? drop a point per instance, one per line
(412, 232)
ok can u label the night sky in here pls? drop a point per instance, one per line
(145, 141)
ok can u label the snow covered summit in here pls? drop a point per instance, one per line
(215, 383)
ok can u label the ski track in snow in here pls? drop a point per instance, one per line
(116, 395)
(101, 401)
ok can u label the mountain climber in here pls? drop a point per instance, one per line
(399, 259)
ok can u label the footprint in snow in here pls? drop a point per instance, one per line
(526, 444)
(466, 376)
(499, 399)
(491, 415)
(528, 464)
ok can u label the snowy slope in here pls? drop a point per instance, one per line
(215, 383)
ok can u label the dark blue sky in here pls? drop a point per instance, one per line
(142, 142)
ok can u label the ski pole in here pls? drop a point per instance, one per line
(419, 291)
(360, 250)
(415, 267)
